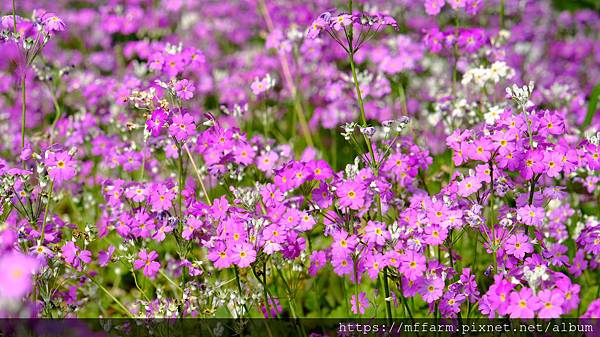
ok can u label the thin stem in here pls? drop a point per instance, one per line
(43, 232)
(58, 114)
(361, 105)
(111, 296)
(23, 108)
(288, 79)
(356, 287)
(198, 175)
(239, 285)
(181, 180)
(386, 287)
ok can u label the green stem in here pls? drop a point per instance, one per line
(58, 114)
(502, 14)
(111, 296)
(361, 105)
(357, 303)
(239, 285)
(23, 109)
(386, 287)
(43, 232)
(181, 180)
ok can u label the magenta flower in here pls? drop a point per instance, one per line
(553, 162)
(318, 260)
(433, 7)
(16, 278)
(468, 186)
(412, 264)
(363, 303)
(523, 304)
(533, 163)
(550, 303)
(60, 166)
(156, 122)
(343, 243)
(53, 23)
(146, 261)
(431, 289)
(220, 255)
(184, 89)
(531, 215)
(376, 232)
(104, 256)
(182, 127)
(342, 264)
(74, 256)
(341, 21)
(351, 194)
(243, 254)
(518, 245)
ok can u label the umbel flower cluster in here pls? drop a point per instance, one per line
(382, 159)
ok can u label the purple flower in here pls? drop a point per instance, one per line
(16, 278)
(412, 264)
(184, 89)
(363, 303)
(550, 303)
(156, 122)
(243, 254)
(431, 289)
(433, 7)
(182, 127)
(518, 245)
(60, 166)
(74, 256)
(523, 304)
(53, 23)
(146, 261)
(531, 215)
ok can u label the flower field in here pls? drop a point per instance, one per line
(300, 159)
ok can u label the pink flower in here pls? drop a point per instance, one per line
(243, 254)
(17, 274)
(433, 7)
(376, 232)
(184, 89)
(518, 245)
(363, 303)
(531, 215)
(553, 162)
(146, 261)
(53, 23)
(343, 243)
(431, 289)
(412, 264)
(550, 303)
(318, 260)
(220, 255)
(266, 161)
(456, 4)
(183, 127)
(533, 164)
(60, 166)
(156, 122)
(74, 256)
(244, 154)
(351, 194)
(341, 21)
(104, 257)
(469, 186)
(523, 304)
(161, 198)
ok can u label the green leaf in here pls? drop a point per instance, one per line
(592, 106)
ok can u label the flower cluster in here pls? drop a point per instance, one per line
(155, 162)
